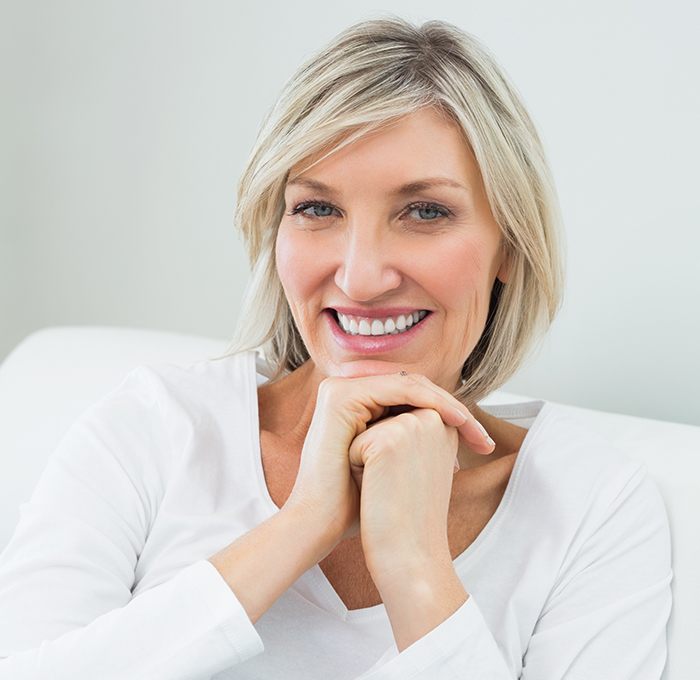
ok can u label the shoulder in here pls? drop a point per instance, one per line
(591, 487)
(188, 389)
(167, 404)
(567, 449)
(156, 412)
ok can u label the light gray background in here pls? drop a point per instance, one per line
(125, 125)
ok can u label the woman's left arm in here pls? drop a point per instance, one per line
(607, 615)
(605, 618)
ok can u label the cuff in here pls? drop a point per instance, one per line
(461, 646)
(227, 611)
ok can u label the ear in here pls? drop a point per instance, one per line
(504, 270)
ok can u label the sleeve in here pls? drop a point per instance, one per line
(460, 647)
(605, 617)
(67, 574)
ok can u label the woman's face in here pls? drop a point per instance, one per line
(357, 236)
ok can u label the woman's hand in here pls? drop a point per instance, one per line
(344, 408)
(406, 466)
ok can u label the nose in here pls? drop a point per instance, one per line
(367, 265)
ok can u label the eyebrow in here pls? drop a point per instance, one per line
(405, 189)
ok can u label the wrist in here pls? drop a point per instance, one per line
(320, 538)
(408, 567)
(423, 589)
(262, 563)
(418, 601)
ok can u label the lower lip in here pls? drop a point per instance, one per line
(373, 344)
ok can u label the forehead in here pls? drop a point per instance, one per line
(426, 142)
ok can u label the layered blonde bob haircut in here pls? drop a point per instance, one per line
(367, 76)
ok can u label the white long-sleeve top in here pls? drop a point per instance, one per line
(106, 575)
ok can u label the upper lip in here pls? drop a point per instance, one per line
(377, 312)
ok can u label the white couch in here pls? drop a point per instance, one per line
(54, 374)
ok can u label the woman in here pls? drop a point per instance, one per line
(332, 504)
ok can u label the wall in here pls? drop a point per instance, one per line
(124, 127)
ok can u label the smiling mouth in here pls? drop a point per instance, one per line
(375, 327)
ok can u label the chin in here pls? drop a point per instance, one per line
(360, 368)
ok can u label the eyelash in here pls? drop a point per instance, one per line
(444, 212)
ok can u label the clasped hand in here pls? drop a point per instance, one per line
(388, 478)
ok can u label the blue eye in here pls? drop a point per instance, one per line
(302, 207)
(435, 211)
(431, 208)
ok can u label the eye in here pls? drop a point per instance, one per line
(431, 209)
(303, 207)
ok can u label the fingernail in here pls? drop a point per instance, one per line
(485, 433)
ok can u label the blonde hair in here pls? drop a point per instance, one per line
(372, 72)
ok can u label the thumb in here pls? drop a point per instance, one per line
(357, 471)
(356, 454)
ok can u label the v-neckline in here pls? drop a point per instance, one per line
(537, 409)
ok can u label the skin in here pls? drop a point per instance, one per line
(364, 246)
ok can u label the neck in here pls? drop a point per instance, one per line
(286, 406)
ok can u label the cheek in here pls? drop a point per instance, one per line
(462, 272)
(289, 259)
(297, 264)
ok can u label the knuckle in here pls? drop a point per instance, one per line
(357, 446)
(428, 416)
(388, 431)
(365, 446)
(410, 420)
(328, 385)
(433, 416)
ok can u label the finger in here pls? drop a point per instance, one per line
(391, 394)
(469, 428)
(381, 393)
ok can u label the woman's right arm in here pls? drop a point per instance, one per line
(67, 574)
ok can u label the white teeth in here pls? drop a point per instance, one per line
(388, 326)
